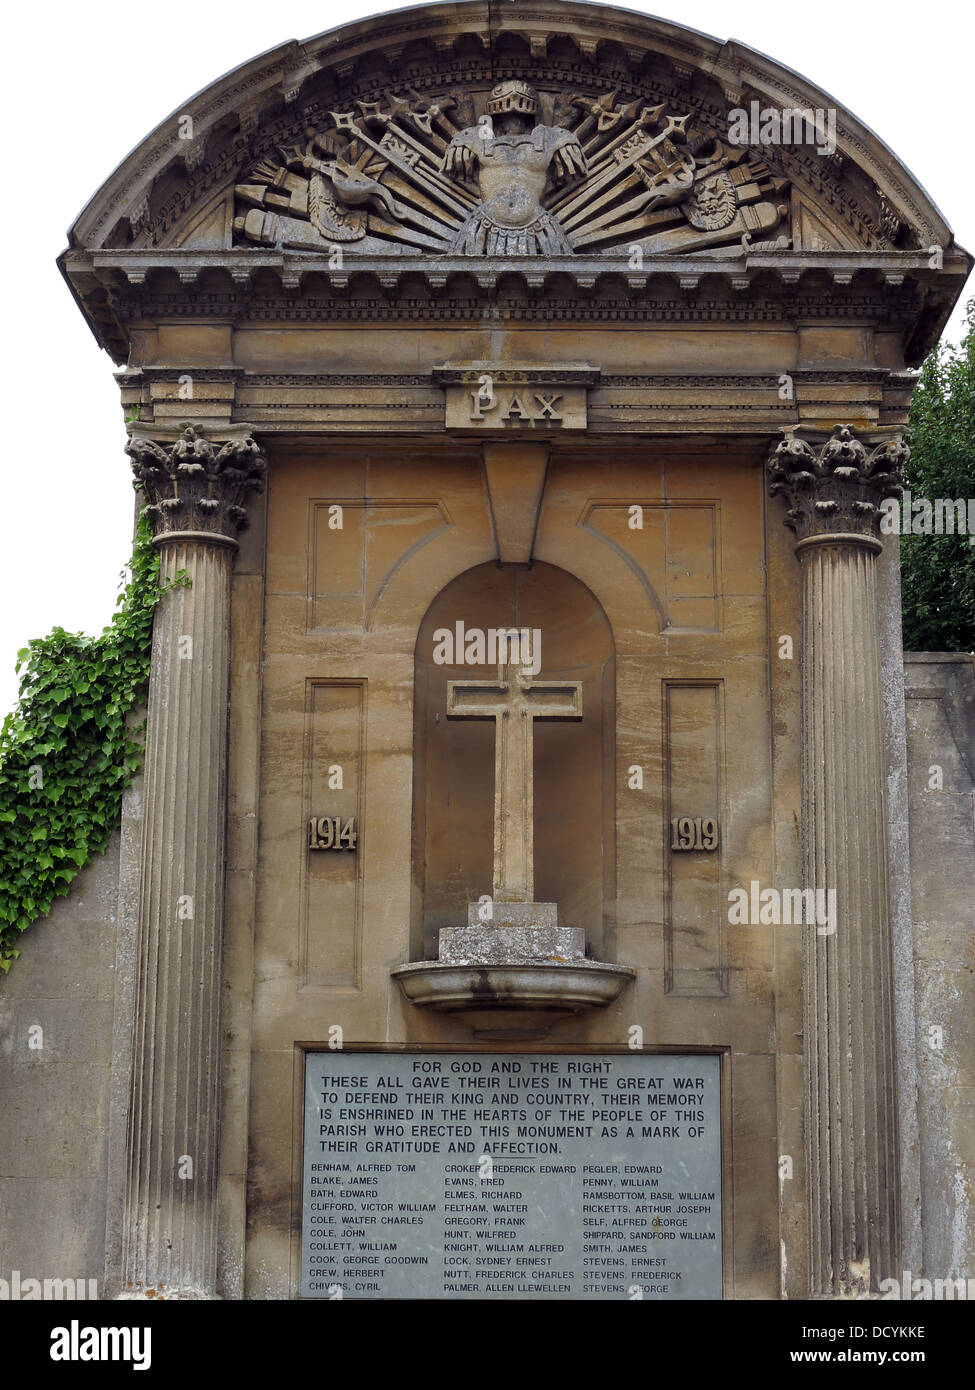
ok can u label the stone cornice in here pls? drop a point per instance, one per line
(123, 287)
(242, 264)
(834, 485)
(196, 488)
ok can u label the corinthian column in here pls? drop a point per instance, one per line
(196, 492)
(834, 490)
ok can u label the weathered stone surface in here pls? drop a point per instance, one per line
(518, 931)
(194, 486)
(483, 398)
(54, 1139)
(899, 777)
(506, 943)
(170, 1214)
(492, 913)
(351, 298)
(941, 735)
(851, 1100)
(838, 488)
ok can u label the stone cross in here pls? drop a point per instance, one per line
(514, 701)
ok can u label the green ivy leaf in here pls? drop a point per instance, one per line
(77, 694)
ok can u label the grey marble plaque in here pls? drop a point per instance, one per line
(448, 1175)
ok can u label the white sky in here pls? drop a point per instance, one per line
(85, 83)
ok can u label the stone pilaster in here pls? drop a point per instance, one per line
(195, 492)
(834, 490)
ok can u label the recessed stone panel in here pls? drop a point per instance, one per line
(331, 897)
(672, 548)
(355, 548)
(694, 907)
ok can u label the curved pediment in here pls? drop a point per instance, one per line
(487, 130)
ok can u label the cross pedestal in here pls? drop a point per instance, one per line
(512, 970)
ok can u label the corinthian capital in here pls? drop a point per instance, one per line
(195, 486)
(836, 486)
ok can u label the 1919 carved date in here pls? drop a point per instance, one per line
(689, 834)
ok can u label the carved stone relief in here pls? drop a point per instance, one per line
(483, 174)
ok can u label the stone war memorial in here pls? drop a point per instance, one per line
(534, 887)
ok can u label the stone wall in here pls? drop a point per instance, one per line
(940, 691)
(55, 1097)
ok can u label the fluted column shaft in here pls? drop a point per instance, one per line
(851, 1151)
(170, 1217)
(851, 1112)
(170, 1230)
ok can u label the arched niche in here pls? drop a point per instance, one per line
(453, 786)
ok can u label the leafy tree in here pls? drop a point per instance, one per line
(938, 608)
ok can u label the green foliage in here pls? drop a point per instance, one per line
(938, 606)
(67, 752)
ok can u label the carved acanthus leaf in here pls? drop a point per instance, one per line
(838, 486)
(196, 485)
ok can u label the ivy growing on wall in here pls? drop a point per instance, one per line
(68, 751)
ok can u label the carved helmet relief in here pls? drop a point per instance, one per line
(486, 174)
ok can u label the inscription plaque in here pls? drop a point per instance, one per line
(448, 1175)
(484, 396)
